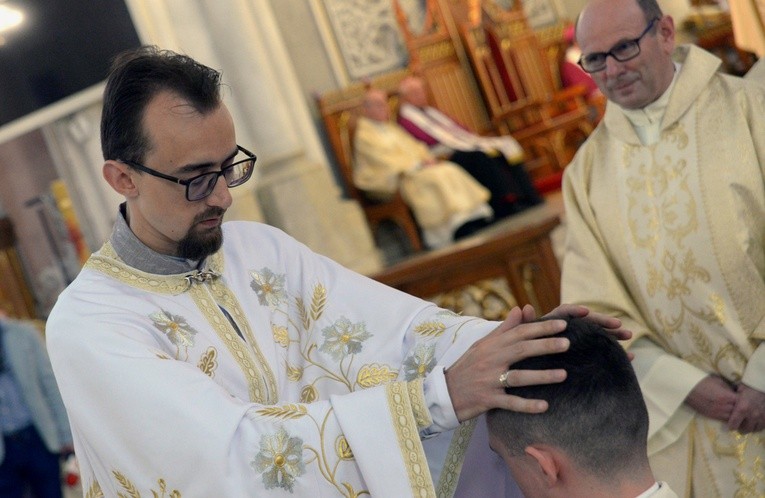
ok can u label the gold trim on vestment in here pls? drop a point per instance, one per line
(208, 295)
(455, 457)
(419, 405)
(405, 425)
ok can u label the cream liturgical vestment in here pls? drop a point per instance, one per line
(666, 231)
(442, 195)
(272, 371)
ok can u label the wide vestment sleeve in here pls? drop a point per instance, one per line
(287, 376)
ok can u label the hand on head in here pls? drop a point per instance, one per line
(474, 379)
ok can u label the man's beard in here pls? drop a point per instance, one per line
(197, 245)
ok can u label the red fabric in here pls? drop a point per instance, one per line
(417, 132)
(504, 71)
(549, 183)
(571, 74)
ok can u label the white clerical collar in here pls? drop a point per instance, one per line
(653, 112)
(647, 121)
(650, 491)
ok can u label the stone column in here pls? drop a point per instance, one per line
(294, 188)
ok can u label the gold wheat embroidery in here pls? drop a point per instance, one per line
(128, 486)
(284, 412)
(430, 329)
(318, 302)
(94, 491)
(374, 375)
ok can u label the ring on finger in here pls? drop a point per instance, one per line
(503, 379)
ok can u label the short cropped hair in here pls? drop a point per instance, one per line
(651, 9)
(597, 415)
(135, 77)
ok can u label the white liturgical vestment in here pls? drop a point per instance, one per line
(272, 371)
(665, 210)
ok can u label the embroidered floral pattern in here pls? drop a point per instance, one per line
(344, 338)
(281, 335)
(420, 361)
(269, 287)
(280, 460)
(175, 327)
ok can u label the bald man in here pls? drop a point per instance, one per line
(442, 196)
(664, 204)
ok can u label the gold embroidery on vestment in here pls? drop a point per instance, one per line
(94, 491)
(430, 328)
(284, 412)
(207, 295)
(133, 492)
(375, 374)
(208, 362)
(455, 456)
(419, 406)
(408, 440)
(309, 394)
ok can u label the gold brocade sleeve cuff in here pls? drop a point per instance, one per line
(419, 406)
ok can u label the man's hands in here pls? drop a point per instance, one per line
(749, 413)
(610, 324)
(742, 407)
(473, 380)
(713, 398)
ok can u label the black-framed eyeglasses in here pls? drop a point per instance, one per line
(201, 186)
(622, 52)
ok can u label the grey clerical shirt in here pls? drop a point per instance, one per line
(141, 257)
(138, 255)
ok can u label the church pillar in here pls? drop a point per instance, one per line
(294, 188)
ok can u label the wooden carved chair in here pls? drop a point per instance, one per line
(439, 60)
(527, 76)
(554, 44)
(339, 111)
(521, 117)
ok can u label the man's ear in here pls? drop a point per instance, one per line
(666, 33)
(120, 177)
(548, 460)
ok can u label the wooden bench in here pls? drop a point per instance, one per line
(518, 249)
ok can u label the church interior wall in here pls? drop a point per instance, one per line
(301, 34)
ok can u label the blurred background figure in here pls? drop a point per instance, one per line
(445, 200)
(35, 427)
(496, 162)
(572, 74)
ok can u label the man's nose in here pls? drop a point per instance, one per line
(220, 196)
(613, 66)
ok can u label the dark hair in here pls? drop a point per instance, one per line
(651, 9)
(597, 415)
(136, 76)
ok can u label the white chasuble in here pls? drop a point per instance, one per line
(274, 372)
(669, 237)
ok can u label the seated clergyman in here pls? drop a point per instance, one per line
(442, 196)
